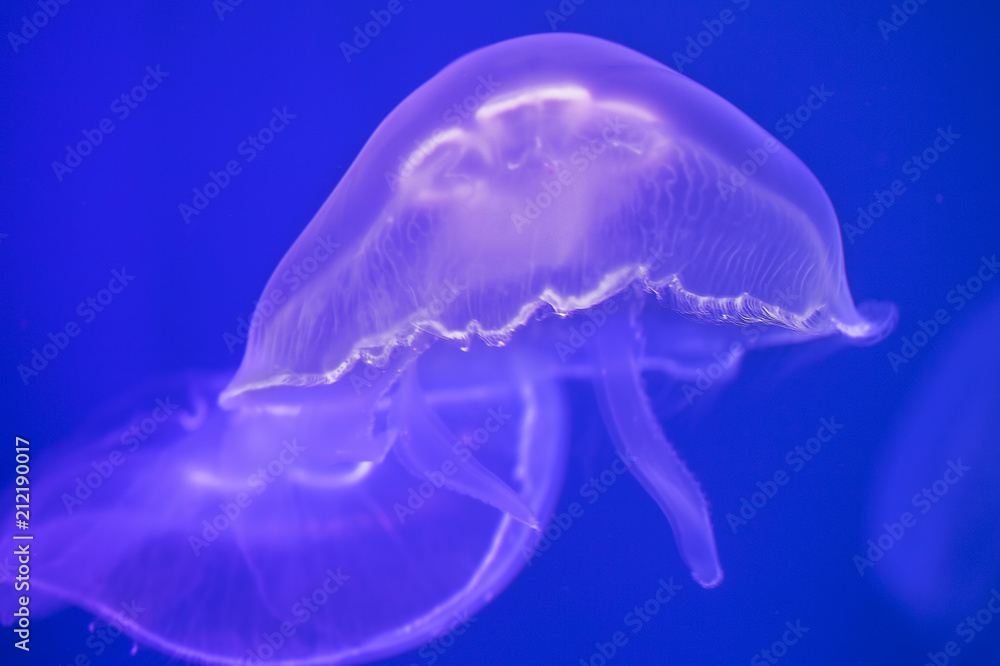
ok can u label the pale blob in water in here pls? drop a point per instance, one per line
(220, 537)
(941, 468)
(549, 207)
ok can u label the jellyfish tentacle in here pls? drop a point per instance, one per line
(338, 421)
(643, 445)
(424, 444)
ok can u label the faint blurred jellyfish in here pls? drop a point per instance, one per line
(941, 469)
(394, 439)
(226, 539)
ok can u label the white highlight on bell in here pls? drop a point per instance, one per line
(614, 106)
(313, 479)
(428, 146)
(532, 97)
(201, 477)
(270, 410)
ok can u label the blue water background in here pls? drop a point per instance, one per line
(119, 208)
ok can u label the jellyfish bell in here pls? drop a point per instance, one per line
(580, 171)
(223, 539)
(587, 165)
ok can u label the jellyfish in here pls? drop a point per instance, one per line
(220, 537)
(549, 208)
(940, 561)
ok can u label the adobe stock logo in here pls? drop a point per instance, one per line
(549, 191)
(452, 118)
(249, 148)
(462, 450)
(221, 7)
(796, 460)
(259, 482)
(302, 611)
(967, 629)
(565, 9)
(381, 18)
(38, 20)
(461, 622)
(900, 15)
(269, 303)
(779, 648)
(140, 431)
(592, 491)
(923, 500)
(714, 28)
(122, 106)
(795, 120)
(635, 620)
(958, 297)
(918, 164)
(58, 341)
(758, 157)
